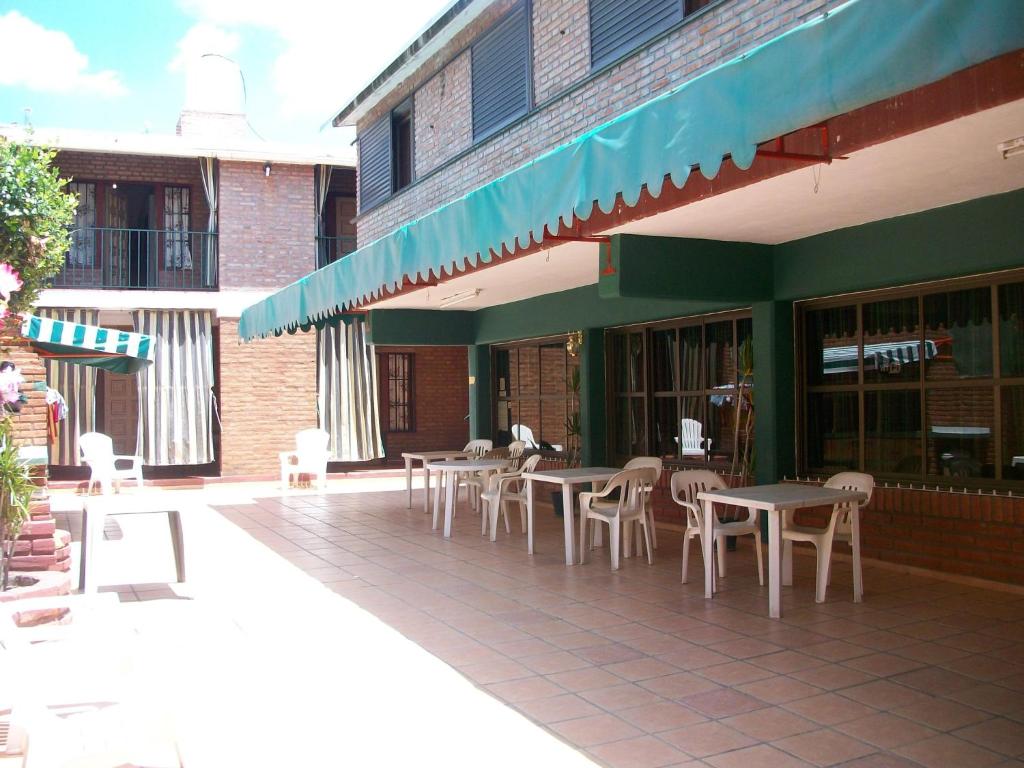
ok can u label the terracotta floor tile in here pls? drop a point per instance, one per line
(705, 739)
(746, 647)
(991, 698)
(734, 673)
(832, 677)
(835, 650)
(824, 747)
(881, 760)
(575, 640)
(679, 685)
(779, 689)
(641, 669)
(641, 752)
(662, 716)
(761, 756)
(584, 679)
(882, 694)
(941, 714)
(553, 709)
(829, 709)
(694, 657)
(885, 730)
(495, 671)
(556, 661)
(523, 690)
(882, 664)
(722, 703)
(947, 751)
(608, 654)
(618, 697)
(999, 734)
(769, 723)
(595, 729)
(935, 680)
(786, 662)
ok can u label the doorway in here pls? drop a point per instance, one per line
(131, 209)
(120, 417)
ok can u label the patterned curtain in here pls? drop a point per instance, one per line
(77, 383)
(176, 391)
(347, 391)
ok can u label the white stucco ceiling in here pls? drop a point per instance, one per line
(940, 166)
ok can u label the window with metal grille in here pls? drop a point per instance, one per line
(177, 223)
(83, 234)
(620, 26)
(399, 386)
(501, 73)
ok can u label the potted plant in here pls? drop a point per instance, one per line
(16, 488)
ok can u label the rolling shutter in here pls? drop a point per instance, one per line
(619, 26)
(501, 73)
(375, 164)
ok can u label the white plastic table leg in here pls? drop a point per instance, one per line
(449, 503)
(707, 545)
(599, 529)
(567, 520)
(529, 516)
(408, 482)
(858, 574)
(774, 557)
(437, 497)
(426, 488)
(787, 563)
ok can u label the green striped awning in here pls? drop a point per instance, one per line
(112, 350)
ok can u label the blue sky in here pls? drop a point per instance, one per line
(122, 66)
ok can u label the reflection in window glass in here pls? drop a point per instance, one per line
(529, 371)
(830, 345)
(636, 362)
(663, 359)
(745, 347)
(502, 375)
(892, 341)
(1011, 329)
(892, 432)
(619, 342)
(552, 422)
(960, 441)
(720, 427)
(552, 369)
(631, 435)
(689, 358)
(831, 434)
(719, 354)
(693, 446)
(1013, 432)
(958, 334)
(666, 427)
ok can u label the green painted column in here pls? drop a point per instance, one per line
(480, 392)
(593, 441)
(774, 380)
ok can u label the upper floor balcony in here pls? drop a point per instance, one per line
(330, 249)
(142, 259)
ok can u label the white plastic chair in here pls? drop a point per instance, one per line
(524, 434)
(503, 488)
(630, 484)
(516, 449)
(685, 487)
(472, 483)
(840, 526)
(691, 442)
(656, 464)
(309, 457)
(98, 452)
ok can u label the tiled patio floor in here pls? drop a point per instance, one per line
(639, 670)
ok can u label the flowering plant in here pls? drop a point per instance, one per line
(10, 281)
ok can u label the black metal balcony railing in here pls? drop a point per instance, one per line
(330, 249)
(152, 259)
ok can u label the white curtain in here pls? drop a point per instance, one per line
(77, 383)
(347, 392)
(208, 171)
(176, 391)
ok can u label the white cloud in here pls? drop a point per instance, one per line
(41, 59)
(329, 50)
(201, 39)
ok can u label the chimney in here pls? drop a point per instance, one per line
(214, 100)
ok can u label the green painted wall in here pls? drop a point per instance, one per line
(685, 268)
(421, 327)
(982, 235)
(774, 388)
(593, 399)
(480, 413)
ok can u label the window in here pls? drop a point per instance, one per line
(920, 384)
(386, 156)
(399, 369)
(537, 395)
(501, 73)
(177, 223)
(620, 26)
(683, 390)
(83, 236)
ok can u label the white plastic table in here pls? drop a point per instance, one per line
(452, 468)
(96, 509)
(567, 478)
(424, 457)
(775, 500)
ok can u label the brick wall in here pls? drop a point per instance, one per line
(441, 401)
(267, 233)
(443, 117)
(716, 35)
(30, 422)
(267, 394)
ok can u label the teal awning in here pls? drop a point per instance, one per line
(860, 53)
(112, 350)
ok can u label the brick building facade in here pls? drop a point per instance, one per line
(876, 226)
